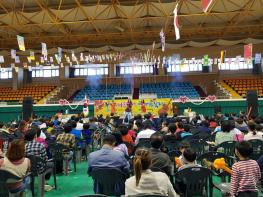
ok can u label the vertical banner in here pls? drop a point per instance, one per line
(176, 23)
(21, 43)
(222, 57)
(206, 4)
(2, 60)
(248, 53)
(206, 60)
(13, 53)
(258, 58)
(32, 55)
(162, 37)
(44, 50)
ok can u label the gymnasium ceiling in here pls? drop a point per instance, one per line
(74, 23)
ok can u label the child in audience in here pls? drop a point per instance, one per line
(245, 172)
(188, 159)
(184, 145)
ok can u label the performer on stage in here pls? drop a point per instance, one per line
(113, 107)
(86, 108)
(143, 106)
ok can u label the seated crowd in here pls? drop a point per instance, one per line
(150, 153)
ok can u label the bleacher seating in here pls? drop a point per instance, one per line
(103, 92)
(36, 92)
(171, 90)
(241, 86)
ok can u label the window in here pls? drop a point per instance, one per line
(6, 73)
(45, 71)
(234, 64)
(136, 68)
(185, 66)
(91, 69)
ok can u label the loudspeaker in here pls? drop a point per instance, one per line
(205, 69)
(71, 72)
(27, 108)
(252, 102)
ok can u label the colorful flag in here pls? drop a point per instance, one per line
(222, 56)
(258, 58)
(248, 53)
(21, 43)
(2, 60)
(13, 53)
(44, 50)
(206, 60)
(162, 37)
(59, 52)
(17, 59)
(176, 23)
(32, 55)
(206, 4)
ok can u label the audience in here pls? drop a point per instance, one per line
(119, 145)
(145, 181)
(146, 133)
(106, 157)
(160, 160)
(226, 134)
(253, 134)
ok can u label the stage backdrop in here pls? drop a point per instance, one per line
(138, 106)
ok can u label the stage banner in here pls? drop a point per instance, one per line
(137, 106)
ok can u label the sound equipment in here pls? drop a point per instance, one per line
(71, 72)
(27, 108)
(205, 69)
(252, 103)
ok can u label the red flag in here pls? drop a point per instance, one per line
(176, 23)
(248, 52)
(206, 4)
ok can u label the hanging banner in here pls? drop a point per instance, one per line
(32, 55)
(206, 4)
(137, 106)
(2, 60)
(162, 37)
(206, 60)
(222, 57)
(44, 50)
(21, 43)
(17, 59)
(13, 53)
(176, 23)
(248, 53)
(258, 58)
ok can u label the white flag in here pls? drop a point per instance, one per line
(162, 37)
(13, 53)
(176, 23)
(2, 60)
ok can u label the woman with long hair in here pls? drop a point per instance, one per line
(16, 163)
(145, 181)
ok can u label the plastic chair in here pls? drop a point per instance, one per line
(227, 147)
(147, 195)
(35, 162)
(144, 143)
(59, 153)
(195, 180)
(4, 176)
(108, 181)
(199, 146)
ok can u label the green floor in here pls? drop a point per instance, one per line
(74, 184)
(79, 183)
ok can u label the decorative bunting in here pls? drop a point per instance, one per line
(21, 43)
(176, 23)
